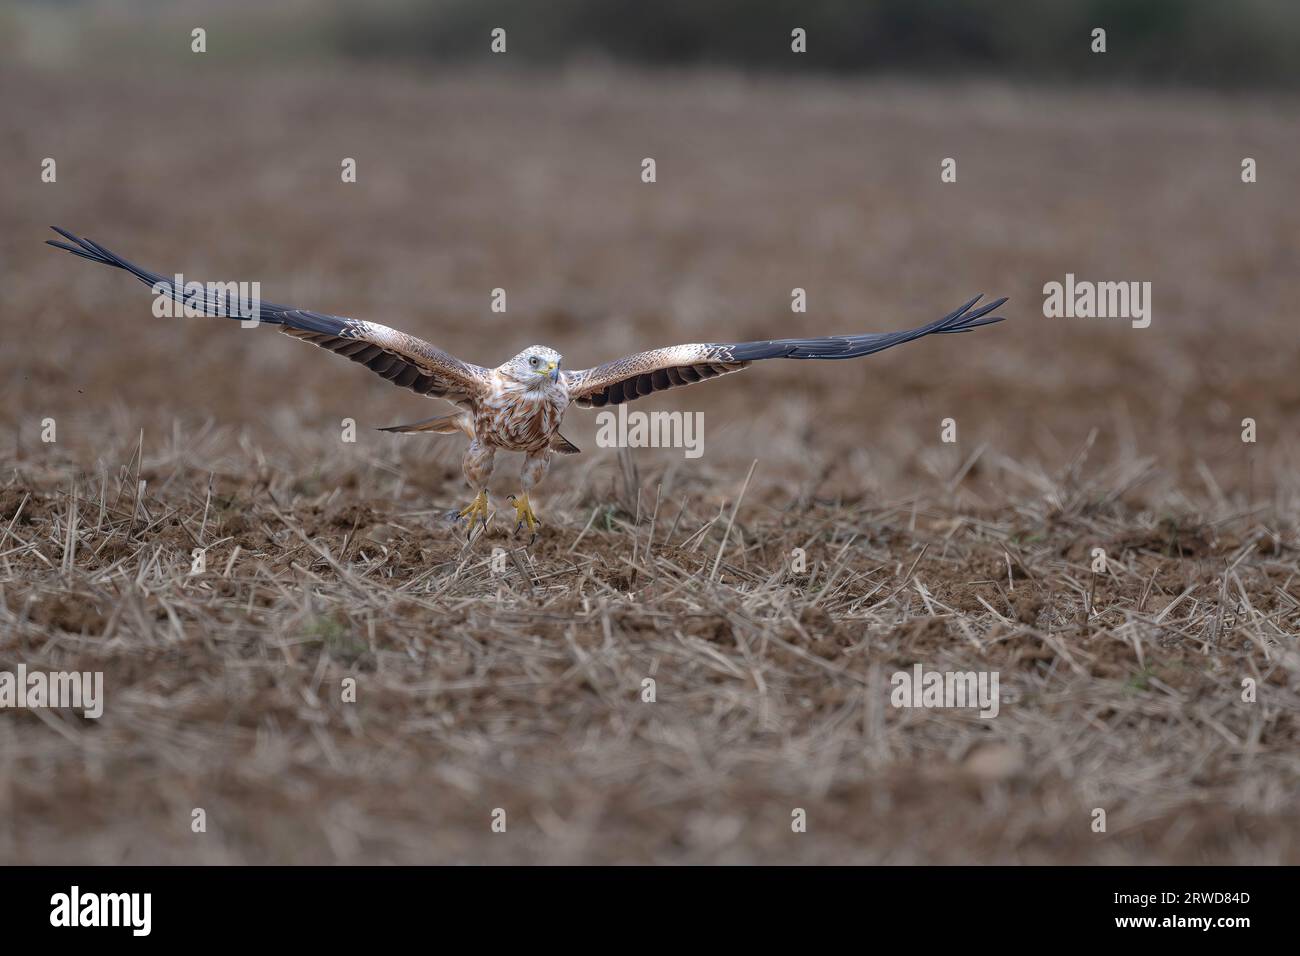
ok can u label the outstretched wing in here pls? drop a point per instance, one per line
(402, 359)
(633, 376)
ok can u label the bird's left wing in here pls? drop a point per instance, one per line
(403, 359)
(633, 376)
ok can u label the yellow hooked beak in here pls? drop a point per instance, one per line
(552, 370)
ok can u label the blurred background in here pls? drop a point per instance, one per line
(1199, 43)
(775, 170)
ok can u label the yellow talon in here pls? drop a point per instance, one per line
(475, 511)
(524, 512)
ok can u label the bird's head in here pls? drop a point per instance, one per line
(534, 366)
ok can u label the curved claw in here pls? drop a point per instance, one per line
(476, 511)
(524, 512)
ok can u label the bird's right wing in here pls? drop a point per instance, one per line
(403, 359)
(633, 376)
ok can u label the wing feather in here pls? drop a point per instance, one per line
(403, 359)
(634, 376)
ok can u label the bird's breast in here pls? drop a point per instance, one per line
(522, 420)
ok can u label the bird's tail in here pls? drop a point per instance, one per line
(464, 422)
(563, 446)
(443, 425)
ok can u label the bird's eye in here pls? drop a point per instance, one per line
(533, 361)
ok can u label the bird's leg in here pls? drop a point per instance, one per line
(524, 512)
(478, 470)
(475, 511)
(534, 470)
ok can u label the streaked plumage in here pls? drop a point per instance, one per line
(519, 405)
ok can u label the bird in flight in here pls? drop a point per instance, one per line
(519, 405)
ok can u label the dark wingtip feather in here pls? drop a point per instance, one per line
(67, 248)
(89, 249)
(71, 237)
(82, 247)
(965, 320)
